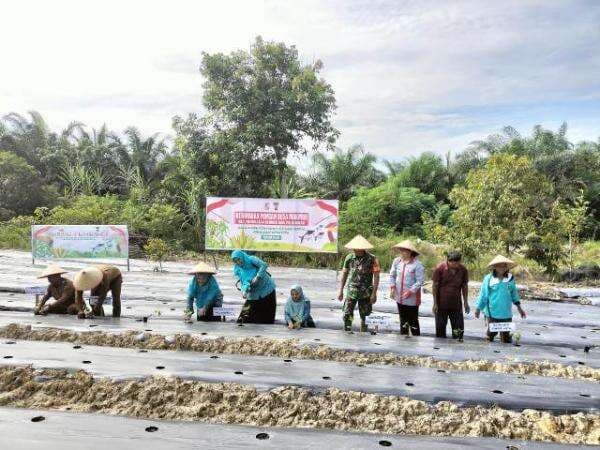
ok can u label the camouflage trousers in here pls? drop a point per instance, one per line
(364, 309)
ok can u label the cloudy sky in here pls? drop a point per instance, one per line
(409, 76)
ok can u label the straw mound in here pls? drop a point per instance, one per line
(289, 348)
(175, 399)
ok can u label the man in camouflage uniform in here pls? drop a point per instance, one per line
(361, 270)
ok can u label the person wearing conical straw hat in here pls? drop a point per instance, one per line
(497, 296)
(59, 288)
(204, 292)
(407, 276)
(361, 270)
(99, 280)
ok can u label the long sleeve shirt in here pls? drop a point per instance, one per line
(64, 293)
(203, 296)
(110, 275)
(253, 267)
(407, 276)
(497, 296)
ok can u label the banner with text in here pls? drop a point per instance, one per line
(79, 241)
(286, 225)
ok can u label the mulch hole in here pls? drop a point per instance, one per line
(441, 371)
(240, 324)
(385, 443)
(376, 343)
(214, 357)
(92, 325)
(581, 363)
(238, 372)
(436, 348)
(38, 419)
(10, 342)
(496, 391)
(262, 436)
(142, 351)
(409, 384)
(585, 395)
(204, 333)
(77, 347)
(327, 378)
(287, 360)
(149, 329)
(496, 351)
(317, 339)
(86, 362)
(151, 429)
(160, 367)
(8, 357)
(563, 356)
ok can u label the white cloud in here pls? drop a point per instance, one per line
(409, 76)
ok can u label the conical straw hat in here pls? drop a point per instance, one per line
(202, 267)
(359, 243)
(88, 278)
(499, 259)
(407, 245)
(52, 270)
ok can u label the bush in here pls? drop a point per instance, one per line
(157, 250)
(386, 209)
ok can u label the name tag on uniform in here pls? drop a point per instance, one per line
(35, 290)
(499, 327)
(225, 311)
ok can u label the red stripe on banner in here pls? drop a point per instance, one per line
(216, 205)
(327, 207)
(118, 230)
(41, 231)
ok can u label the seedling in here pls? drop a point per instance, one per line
(517, 337)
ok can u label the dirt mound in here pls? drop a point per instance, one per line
(289, 348)
(175, 399)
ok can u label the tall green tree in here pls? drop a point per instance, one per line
(21, 190)
(269, 100)
(340, 174)
(428, 173)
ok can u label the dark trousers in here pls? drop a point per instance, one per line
(115, 290)
(409, 319)
(259, 311)
(457, 323)
(61, 308)
(505, 336)
(208, 316)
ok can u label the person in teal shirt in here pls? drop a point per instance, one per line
(297, 309)
(497, 296)
(257, 287)
(204, 292)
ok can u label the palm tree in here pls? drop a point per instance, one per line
(393, 168)
(340, 176)
(144, 154)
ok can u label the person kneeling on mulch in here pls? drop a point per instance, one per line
(297, 310)
(204, 292)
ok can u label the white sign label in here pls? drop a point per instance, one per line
(35, 290)
(79, 241)
(379, 321)
(93, 299)
(498, 327)
(225, 311)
